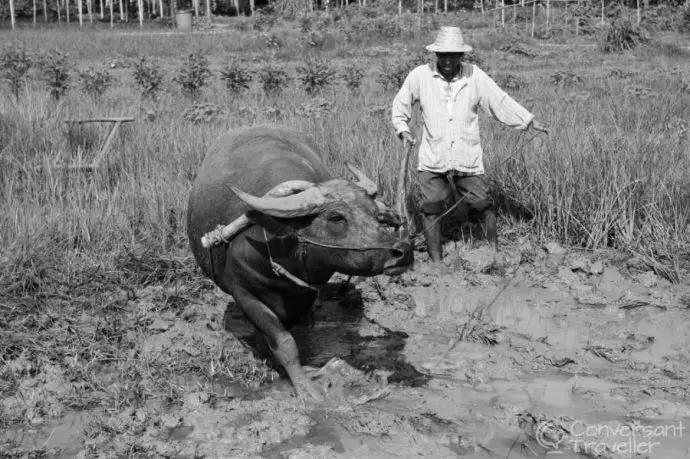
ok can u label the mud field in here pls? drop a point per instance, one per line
(538, 351)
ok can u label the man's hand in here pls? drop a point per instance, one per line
(537, 126)
(407, 139)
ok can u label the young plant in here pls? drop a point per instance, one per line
(236, 77)
(273, 79)
(194, 74)
(353, 76)
(316, 75)
(15, 64)
(148, 77)
(622, 36)
(95, 82)
(55, 71)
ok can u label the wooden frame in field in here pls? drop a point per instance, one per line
(100, 155)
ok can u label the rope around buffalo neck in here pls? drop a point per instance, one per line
(279, 270)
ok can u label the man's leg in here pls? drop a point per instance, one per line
(435, 191)
(475, 192)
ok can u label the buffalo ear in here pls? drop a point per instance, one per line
(278, 229)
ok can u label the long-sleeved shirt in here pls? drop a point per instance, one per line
(450, 128)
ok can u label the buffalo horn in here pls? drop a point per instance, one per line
(307, 202)
(230, 230)
(363, 181)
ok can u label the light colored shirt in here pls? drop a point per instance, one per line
(450, 125)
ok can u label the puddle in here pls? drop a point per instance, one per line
(63, 435)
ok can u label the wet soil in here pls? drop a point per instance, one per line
(537, 350)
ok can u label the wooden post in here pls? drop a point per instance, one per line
(12, 13)
(534, 13)
(548, 13)
(503, 13)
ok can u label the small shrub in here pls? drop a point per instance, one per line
(316, 108)
(194, 74)
(55, 70)
(393, 73)
(15, 64)
(203, 113)
(316, 75)
(272, 40)
(148, 77)
(622, 36)
(95, 82)
(273, 79)
(353, 76)
(510, 82)
(236, 77)
(565, 78)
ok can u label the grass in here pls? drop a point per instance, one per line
(79, 250)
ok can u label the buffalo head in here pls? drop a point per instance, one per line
(340, 224)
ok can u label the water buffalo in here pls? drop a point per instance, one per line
(294, 227)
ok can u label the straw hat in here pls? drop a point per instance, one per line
(449, 40)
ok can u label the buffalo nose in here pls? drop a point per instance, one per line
(402, 252)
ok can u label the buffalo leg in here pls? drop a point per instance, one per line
(280, 342)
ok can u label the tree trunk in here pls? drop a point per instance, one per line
(89, 8)
(45, 11)
(67, 11)
(12, 13)
(102, 8)
(140, 7)
(112, 16)
(34, 14)
(79, 8)
(208, 9)
(122, 11)
(160, 7)
(57, 2)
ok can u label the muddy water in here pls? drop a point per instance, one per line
(63, 436)
(552, 343)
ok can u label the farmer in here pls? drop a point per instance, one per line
(449, 94)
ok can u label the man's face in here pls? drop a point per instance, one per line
(448, 63)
